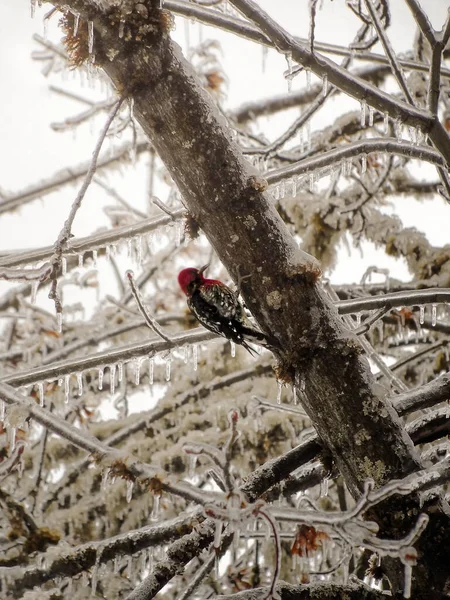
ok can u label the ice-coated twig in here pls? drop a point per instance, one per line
(71, 122)
(161, 205)
(198, 577)
(64, 234)
(351, 150)
(437, 42)
(114, 194)
(367, 324)
(382, 36)
(8, 463)
(151, 322)
(272, 523)
(394, 299)
(39, 274)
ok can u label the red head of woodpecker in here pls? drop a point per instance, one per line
(218, 308)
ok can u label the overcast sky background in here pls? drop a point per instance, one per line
(31, 150)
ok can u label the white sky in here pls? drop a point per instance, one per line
(31, 150)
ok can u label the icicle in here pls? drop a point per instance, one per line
(301, 140)
(421, 314)
(178, 233)
(308, 135)
(308, 79)
(168, 366)
(288, 76)
(155, 509)
(186, 354)
(33, 8)
(191, 467)
(100, 378)
(398, 126)
(419, 136)
(324, 487)
(130, 485)
(279, 387)
(412, 135)
(59, 321)
(80, 383)
(311, 183)
(294, 187)
(40, 387)
(108, 252)
(386, 123)
(63, 266)
(433, 315)
(95, 257)
(276, 194)
(218, 535)
(105, 475)
(90, 37)
(85, 579)
(80, 260)
(34, 290)
(12, 439)
(363, 113)
(76, 23)
(121, 28)
(195, 356)
(265, 51)
(112, 379)
(282, 189)
(94, 577)
(233, 349)
(358, 319)
(116, 564)
(120, 371)
(151, 369)
(363, 164)
(324, 85)
(66, 388)
(370, 116)
(137, 371)
(2, 410)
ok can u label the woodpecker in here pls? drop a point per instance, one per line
(218, 308)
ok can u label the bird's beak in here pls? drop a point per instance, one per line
(203, 269)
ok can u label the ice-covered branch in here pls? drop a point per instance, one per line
(112, 356)
(382, 36)
(81, 558)
(424, 396)
(250, 32)
(332, 158)
(39, 274)
(408, 298)
(321, 66)
(330, 591)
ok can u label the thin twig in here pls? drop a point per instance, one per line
(151, 322)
